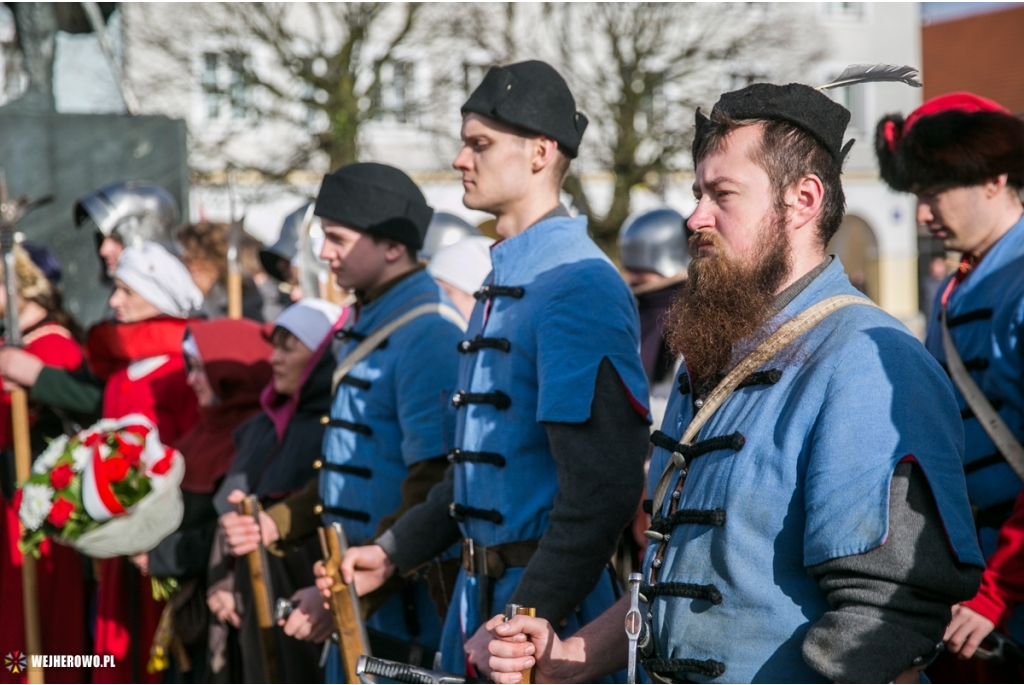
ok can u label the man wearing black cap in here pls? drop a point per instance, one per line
(552, 424)
(389, 428)
(810, 520)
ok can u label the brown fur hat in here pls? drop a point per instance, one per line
(957, 139)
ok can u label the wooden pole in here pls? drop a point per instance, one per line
(262, 596)
(29, 579)
(234, 294)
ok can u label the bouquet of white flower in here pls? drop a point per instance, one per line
(111, 490)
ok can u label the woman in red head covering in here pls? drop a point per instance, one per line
(228, 363)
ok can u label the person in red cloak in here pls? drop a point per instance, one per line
(228, 364)
(48, 333)
(139, 356)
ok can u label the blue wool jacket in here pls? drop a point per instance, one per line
(986, 323)
(391, 411)
(856, 396)
(556, 308)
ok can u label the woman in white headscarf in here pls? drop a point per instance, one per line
(139, 356)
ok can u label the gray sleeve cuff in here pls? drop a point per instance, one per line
(424, 531)
(388, 543)
(847, 647)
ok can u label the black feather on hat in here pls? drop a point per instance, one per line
(957, 139)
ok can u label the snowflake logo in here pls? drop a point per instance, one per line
(16, 662)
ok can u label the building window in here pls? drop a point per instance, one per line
(740, 80)
(399, 91)
(849, 11)
(236, 84)
(472, 75)
(211, 91)
(224, 83)
(390, 97)
(853, 98)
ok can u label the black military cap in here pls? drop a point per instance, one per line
(376, 199)
(532, 96)
(800, 105)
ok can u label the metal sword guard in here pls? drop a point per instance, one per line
(633, 624)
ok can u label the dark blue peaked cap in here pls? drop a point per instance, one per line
(376, 199)
(797, 104)
(531, 96)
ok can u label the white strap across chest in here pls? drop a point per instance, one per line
(379, 335)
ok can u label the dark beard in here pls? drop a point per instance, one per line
(725, 302)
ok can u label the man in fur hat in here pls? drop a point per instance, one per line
(809, 517)
(963, 158)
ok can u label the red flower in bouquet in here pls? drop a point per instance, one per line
(61, 512)
(129, 450)
(61, 476)
(116, 469)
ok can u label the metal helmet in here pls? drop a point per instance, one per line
(135, 211)
(444, 230)
(287, 244)
(312, 271)
(655, 241)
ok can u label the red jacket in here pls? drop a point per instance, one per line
(62, 605)
(145, 374)
(1002, 583)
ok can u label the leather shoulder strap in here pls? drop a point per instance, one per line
(379, 335)
(775, 343)
(994, 426)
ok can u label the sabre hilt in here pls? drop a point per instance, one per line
(511, 611)
(633, 623)
(404, 673)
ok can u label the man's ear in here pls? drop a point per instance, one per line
(395, 251)
(804, 199)
(994, 186)
(545, 153)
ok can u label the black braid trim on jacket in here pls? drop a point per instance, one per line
(457, 456)
(733, 441)
(490, 291)
(700, 517)
(708, 593)
(480, 342)
(460, 513)
(666, 667)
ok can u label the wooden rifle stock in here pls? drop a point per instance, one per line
(261, 594)
(348, 617)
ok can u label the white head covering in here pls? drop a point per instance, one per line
(464, 264)
(160, 278)
(310, 320)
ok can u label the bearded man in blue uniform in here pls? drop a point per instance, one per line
(547, 461)
(963, 158)
(810, 520)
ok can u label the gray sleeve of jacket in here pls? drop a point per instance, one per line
(425, 530)
(600, 466)
(891, 605)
